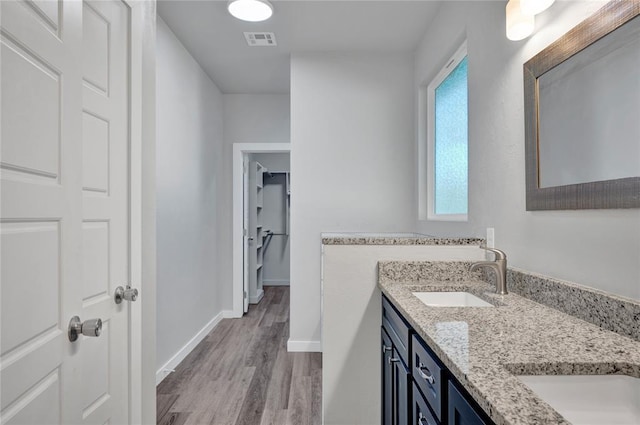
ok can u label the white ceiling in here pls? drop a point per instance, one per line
(215, 39)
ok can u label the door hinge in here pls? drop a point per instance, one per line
(245, 294)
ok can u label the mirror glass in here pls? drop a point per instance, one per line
(589, 113)
(582, 115)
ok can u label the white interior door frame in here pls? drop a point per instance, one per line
(239, 150)
(142, 246)
(245, 232)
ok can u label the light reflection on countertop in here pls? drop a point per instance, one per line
(453, 338)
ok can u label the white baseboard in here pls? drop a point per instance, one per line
(304, 346)
(275, 282)
(229, 314)
(257, 298)
(174, 361)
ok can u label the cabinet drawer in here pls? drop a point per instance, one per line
(397, 329)
(421, 413)
(427, 375)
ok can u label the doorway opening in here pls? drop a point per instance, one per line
(261, 195)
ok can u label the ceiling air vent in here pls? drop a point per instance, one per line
(256, 39)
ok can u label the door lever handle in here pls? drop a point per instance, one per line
(129, 294)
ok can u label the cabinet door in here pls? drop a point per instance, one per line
(460, 410)
(401, 379)
(387, 383)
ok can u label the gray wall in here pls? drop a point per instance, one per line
(351, 156)
(597, 248)
(274, 161)
(189, 154)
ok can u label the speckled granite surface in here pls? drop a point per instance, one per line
(608, 311)
(380, 239)
(485, 347)
(426, 271)
(611, 312)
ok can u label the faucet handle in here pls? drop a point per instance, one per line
(500, 255)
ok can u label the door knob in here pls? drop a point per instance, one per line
(129, 294)
(91, 327)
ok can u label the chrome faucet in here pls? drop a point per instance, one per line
(499, 266)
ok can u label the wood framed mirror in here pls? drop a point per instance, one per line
(582, 115)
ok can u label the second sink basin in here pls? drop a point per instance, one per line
(590, 399)
(451, 299)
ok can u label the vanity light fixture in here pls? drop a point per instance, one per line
(250, 10)
(519, 25)
(533, 7)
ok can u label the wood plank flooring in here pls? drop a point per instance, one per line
(242, 374)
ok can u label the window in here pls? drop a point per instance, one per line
(445, 134)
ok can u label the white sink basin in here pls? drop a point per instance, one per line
(590, 399)
(451, 299)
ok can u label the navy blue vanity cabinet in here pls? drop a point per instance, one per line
(397, 328)
(387, 384)
(420, 409)
(428, 376)
(396, 376)
(416, 386)
(460, 410)
(402, 380)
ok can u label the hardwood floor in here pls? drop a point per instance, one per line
(242, 374)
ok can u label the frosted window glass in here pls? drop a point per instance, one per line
(451, 161)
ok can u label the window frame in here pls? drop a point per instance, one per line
(426, 131)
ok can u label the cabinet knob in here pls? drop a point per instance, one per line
(385, 348)
(393, 360)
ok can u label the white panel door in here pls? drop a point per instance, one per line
(64, 210)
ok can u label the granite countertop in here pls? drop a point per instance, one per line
(485, 348)
(393, 239)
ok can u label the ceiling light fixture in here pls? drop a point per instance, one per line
(519, 25)
(533, 7)
(250, 10)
